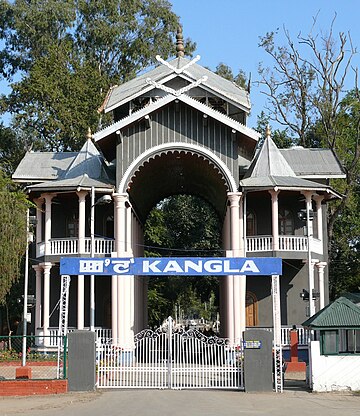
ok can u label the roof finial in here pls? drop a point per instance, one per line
(89, 134)
(268, 132)
(179, 43)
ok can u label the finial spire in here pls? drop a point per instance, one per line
(89, 134)
(179, 43)
(268, 132)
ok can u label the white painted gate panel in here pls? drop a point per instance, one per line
(171, 358)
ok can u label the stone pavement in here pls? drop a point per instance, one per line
(185, 402)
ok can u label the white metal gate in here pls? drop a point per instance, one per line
(173, 358)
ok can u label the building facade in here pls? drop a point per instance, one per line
(180, 129)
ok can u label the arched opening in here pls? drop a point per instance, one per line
(168, 174)
(183, 226)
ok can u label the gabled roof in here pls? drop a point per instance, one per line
(43, 166)
(65, 170)
(163, 73)
(88, 161)
(313, 163)
(270, 169)
(340, 313)
(269, 162)
(161, 102)
(79, 182)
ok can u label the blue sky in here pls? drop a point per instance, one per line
(228, 30)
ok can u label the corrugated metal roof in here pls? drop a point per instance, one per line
(65, 170)
(269, 162)
(219, 85)
(313, 162)
(40, 166)
(88, 162)
(80, 182)
(270, 169)
(340, 313)
(265, 182)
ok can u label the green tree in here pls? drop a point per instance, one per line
(226, 72)
(307, 97)
(181, 225)
(69, 54)
(13, 206)
(12, 149)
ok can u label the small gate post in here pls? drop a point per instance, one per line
(81, 360)
(169, 363)
(258, 360)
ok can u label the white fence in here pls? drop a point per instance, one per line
(286, 243)
(105, 334)
(70, 246)
(171, 358)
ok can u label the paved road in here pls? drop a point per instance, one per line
(183, 403)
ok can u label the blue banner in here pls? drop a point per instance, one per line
(158, 266)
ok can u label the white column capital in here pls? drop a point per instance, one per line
(123, 197)
(37, 268)
(308, 195)
(234, 198)
(46, 266)
(274, 192)
(82, 195)
(318, 198)
(321, 265)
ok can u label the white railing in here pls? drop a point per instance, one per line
(102, 246)
(259, 243)
(65, 246)
(292, 243)
(303, 334)
(59, 246)
(102, 334)
(286, 243)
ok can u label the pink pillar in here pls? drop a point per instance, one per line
(318, 199)
(48, 199)
(238, 284)
(46, 310)
(38, 270)
(39, 208)
(275, 218)
(321, 267)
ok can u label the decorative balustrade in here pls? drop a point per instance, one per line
(103, 334)
(70, 246)
(258, 244)
(303, 334)
(293, 243)
(286, 243)
(59, 246)
(102, 246)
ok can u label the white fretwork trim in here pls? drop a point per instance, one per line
(253, 134)
(177, 146)
(179, 92)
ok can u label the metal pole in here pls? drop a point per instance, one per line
(92, 255)
(26, 281)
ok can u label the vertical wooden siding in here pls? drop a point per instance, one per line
(177, 123)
